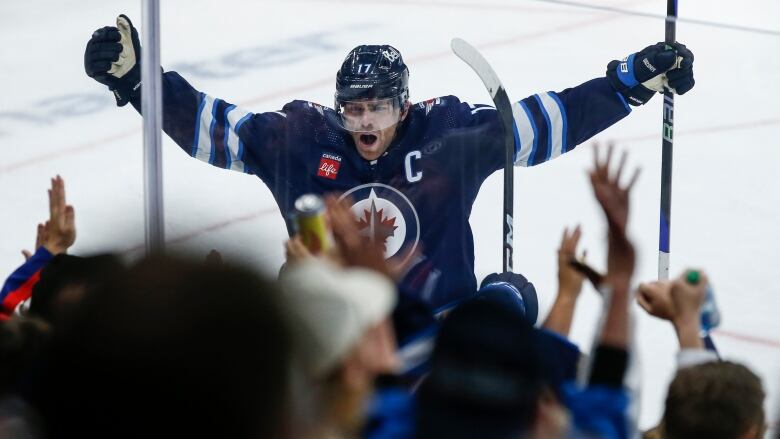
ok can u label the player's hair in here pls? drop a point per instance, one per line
(713, 400)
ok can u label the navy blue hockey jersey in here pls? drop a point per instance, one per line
(419, 194)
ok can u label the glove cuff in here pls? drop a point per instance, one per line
(128, 88)
(622, 81)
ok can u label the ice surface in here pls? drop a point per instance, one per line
(726, 200)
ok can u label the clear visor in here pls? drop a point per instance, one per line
(368, 115)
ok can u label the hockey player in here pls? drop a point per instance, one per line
(413, 171)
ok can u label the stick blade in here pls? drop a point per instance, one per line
(478, 63)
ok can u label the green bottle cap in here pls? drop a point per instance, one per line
(692, 277)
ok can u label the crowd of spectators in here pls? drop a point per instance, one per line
(171, 346)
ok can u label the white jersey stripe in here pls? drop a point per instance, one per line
(556, 123)
(196, 139)
(205, 141)
(234, 116)
(526, 133)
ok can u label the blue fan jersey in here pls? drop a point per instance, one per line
(419, 194)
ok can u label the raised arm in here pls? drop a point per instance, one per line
(601, 409)
(679, 302)
(614, 201)
(207, 128)
(570, 281)
(553, 123)
(54, 236)
(215, 131)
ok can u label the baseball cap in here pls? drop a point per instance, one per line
(489, 367)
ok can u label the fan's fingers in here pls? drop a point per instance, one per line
(596, 148)
(643, 302)
(610, 149)
(621, 166)
(633, 180)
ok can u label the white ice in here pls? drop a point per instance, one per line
(726, 199)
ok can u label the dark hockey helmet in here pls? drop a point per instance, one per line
(373, 72)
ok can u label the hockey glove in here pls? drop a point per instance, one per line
(512, 290)
(640, 75)
(113, 58)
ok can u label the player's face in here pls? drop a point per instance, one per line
(372, 125)
(372, 144)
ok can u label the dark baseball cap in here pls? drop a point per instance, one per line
(489, 368)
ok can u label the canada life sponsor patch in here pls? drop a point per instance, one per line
(329, 166)
(385, 214)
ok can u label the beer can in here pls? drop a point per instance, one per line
(310, 224)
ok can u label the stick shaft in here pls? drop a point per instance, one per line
(509, 186)
(476, 61)
(667, 147)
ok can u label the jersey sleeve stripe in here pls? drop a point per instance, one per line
(202, 150)
(555, 121)
(236, 117)
(526, 130)
(564, 121)
(529, 134)
(226, 141)
(221, 158)
(244, 116)
(201, 104)
(217, 141)
(212, 127)
(239, 124)
(547, 122)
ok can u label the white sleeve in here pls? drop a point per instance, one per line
(692, 357)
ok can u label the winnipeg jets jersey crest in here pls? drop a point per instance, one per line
(386, 215)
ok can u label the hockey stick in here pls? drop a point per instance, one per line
(477, 62)
(667, 144)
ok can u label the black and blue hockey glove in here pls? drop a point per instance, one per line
(512, 290)
(640, 75)
(113, 58)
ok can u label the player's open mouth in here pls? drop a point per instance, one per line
(368, 139)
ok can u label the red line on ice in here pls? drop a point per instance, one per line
(67, 152)
(768, 342)
(210, 228)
